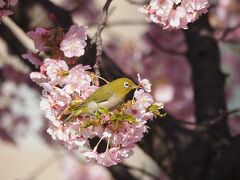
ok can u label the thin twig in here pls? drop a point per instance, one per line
(138, 3)
(222, 116)
(97, 39)
(126, 23)
(228, 31)
(123, 22)
(164, 49)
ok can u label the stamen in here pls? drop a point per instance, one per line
(108, 142)
(95, 148)
(94, 75)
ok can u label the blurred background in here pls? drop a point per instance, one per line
(134, 46)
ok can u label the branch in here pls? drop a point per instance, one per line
(126, 23)
(228, 31)
(203, 55)
(192, 154)
(12, 32)
(97, 39)
(19, 34)
(208, 80)
(223, 116)
(135, 2)
(119, 172)
(227, 166)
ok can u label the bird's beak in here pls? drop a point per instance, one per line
(136, 87)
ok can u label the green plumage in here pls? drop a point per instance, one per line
(108, 97)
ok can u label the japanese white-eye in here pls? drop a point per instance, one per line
(108, 96)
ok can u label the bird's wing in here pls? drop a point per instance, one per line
(100, 95)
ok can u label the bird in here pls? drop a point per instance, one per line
(108, 96)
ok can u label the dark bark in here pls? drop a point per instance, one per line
(197, 160)
(228, 165)
(208, 80)
(119, 172)
(195, 155)
(165, 139)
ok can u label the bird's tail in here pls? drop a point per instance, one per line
(72, 111)
(67, 115)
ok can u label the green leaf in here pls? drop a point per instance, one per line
(155, 110)
(64, 73)
(117, 117)
(97, 114)
(129, 118)
(103, 110)
(91, 122)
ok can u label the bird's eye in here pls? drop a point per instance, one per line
(126, 85)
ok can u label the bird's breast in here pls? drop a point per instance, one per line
(92, 107)
(111, 103)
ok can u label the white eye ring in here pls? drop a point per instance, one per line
(126, 85)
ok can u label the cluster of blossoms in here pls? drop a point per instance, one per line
(161, 67)
(174, 14)
(121, 128)
(71, 44)
(5, 5)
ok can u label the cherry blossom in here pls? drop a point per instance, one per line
(39, 36)
(5, 7)
(119, 129)
(162, 68)
(5, 12)
(174, 14)
(56, 70)
(32, 58)
(74, 43)
(144, 99)
(144, 83)
(12, 2)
